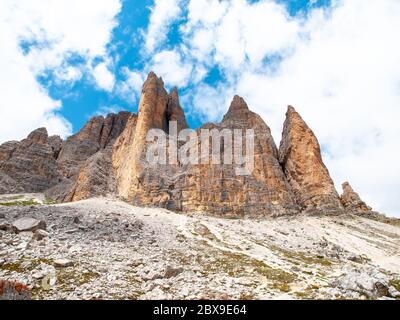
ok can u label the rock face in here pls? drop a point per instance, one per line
(108, 157)
(218, 188)
(84, 160)
(300, 157)
(156, 109)
(352, 201)
(98, 133)
(214, 188)
(28, 165)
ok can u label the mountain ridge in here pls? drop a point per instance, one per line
(105, 158)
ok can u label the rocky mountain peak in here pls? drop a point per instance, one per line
(238, 104)
(108, 156)
(38, 136)
(300, 156)
(153, 83)
(174, 110)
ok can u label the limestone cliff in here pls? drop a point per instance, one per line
(108, 157)
(300, 157)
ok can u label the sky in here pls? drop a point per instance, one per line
(336, 61)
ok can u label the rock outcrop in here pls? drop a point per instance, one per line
(28, 165)
(352, 201)
(156, 109)
(300, 157)
(85, 158)
(108, 157)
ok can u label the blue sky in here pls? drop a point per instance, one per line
(337, 62)
(82, 99)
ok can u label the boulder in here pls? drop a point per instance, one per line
(28, 225)
(63, 263)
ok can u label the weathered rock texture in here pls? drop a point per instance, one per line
(28, 165)
(156, 109)
(352, 201)
(84, 161)
(108, 156)
(300, 157)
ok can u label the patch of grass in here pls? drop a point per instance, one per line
(304, 258)
(276, 275)
(13, 267)
(284, 287)
(395, 283)
(246, 296)
(17, 266)
(308, 293)
(49, 201)
(23, 203)
(68, 278)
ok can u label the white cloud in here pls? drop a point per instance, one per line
(171, 67)
(56, 30)
(68, 74)
(339, 67)
(104, 78)
(237, 33)
(131, 87)
(209, 102)
(163, 14)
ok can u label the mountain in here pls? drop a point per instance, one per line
(106, 157)
(91, 218)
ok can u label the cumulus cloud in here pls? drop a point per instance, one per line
(130, 86)
(40, 36)
(163, 14)
(104, 78)
(170, 65)
(208, 103)
(340, 67)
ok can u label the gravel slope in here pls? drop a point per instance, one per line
(123, 252)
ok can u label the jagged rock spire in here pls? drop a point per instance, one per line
(352, 201)
(300, 157)
(174, 110)
(238, 104)
(238, 109)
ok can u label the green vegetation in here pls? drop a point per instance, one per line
(22, 203)
(49, 201)
(298, 257)
(13, 267)
(395, 283)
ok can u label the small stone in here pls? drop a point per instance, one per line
(63, 263)
(76, 220)
(71, 231)
(171, 272)
(381, 289)
(2, 216)
(28, 224)
(38, 275)
(136, 262)
(152, 275)
(22, 246)
(40, 234)
(2, 261)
